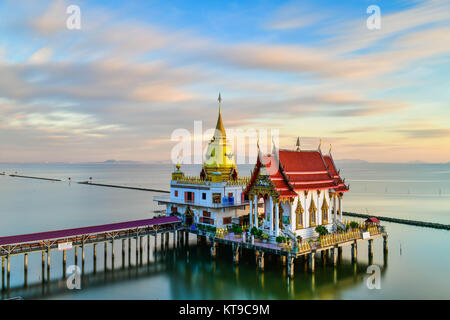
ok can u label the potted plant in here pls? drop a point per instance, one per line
(354, 225)
(264, 237)
(237, 230)
(299, 239)
(281, 241)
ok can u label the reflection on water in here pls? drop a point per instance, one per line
(419, 271)
(194, 274)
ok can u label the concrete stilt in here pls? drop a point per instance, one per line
(283, 260)
(48, 263)
(257, 257)
(339, 254)
(167, 240)
(236, 254)
(162, 240)
(64, 263)
(213, 250)
(334, 256)
(8, 269)
(95, 258)
(312, 261)
(261, 260)
(199, 239)
(148, 249)
(43, 266)
(290, 264)
(370, 248)
(156, 244)
(3, 272)
(105, 253)
(129, 252)
(186, 238)
(141, 246)
(76, 255)
(174, 239)
(82, 258)
(137, 251)
(354, 252)
(123, 253)
(25, 269)
(385, 244)
(112, 254)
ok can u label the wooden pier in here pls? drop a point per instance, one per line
(68, 239)
(330, 246)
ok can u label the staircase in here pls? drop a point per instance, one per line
(288, 233)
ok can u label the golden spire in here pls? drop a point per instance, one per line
(298, 144)
(219, 125)
(330, 149)
(320, 144)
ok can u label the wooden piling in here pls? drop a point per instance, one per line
(283, 260)
(76, 255)
(25, 269)
(370, 248)
(385, 243)
(162, 240)
(257, 257)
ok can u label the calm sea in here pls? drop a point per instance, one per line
(417, 264)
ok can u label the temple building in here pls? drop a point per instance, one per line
(291, 192)
(215, 197)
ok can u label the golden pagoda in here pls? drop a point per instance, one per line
(219, 164)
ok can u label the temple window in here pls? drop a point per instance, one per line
(325, 212)
(176, 193)
(217, 198)
(312, 213)
(204, 196)
(299, 214)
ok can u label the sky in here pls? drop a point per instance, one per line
(135, 71)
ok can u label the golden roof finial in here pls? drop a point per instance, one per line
(219, 125)
(330, 149)
(298, 144)
(320, 144)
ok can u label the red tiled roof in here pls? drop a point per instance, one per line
(300, 170)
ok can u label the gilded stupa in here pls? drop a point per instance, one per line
(219, 158)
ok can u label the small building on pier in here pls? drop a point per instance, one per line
(291, 192)
(215, 197)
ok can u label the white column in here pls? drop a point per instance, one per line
(340, 208)
(334, 207)
(271, 215)
(277, 219)
(251, 215)
(293, 216)
(256, 209)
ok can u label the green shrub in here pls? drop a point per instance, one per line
(299, 238)
(281, 239)
(237, 229)
(354, 225)
(265, 236)
(321, 230)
